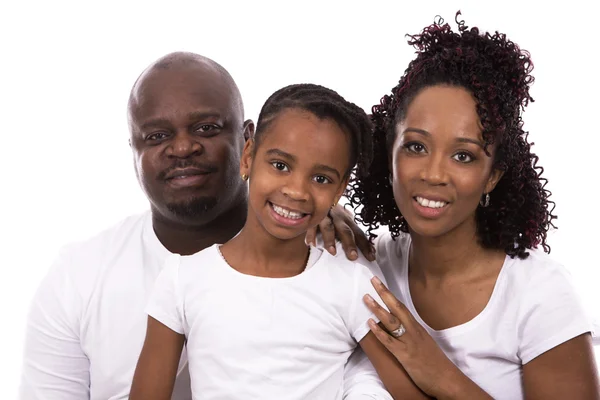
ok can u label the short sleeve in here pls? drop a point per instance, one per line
(164, 304)
(54, 364)
(361, 381)
(359, 312)
(550, 314)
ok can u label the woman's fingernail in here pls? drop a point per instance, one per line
(376, 280)
(332, 249)
(353, 254)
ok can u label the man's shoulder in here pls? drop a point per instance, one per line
(111, 237)
(80, 258)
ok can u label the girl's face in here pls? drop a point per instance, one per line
(297, 172)
(440, 170)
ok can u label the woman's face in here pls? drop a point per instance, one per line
(439, 166)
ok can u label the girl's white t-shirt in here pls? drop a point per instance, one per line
(251, 337)
(533, 308)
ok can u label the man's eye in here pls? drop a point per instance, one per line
(204, 128)
(156, 136)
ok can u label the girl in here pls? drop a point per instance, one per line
(483, 312)
(264, 316)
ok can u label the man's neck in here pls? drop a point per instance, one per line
(186, 239)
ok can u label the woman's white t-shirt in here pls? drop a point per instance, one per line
(250, 337)
(533, 308)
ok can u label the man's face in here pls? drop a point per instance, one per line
(187, 135)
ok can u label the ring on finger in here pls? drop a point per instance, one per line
(399, 331)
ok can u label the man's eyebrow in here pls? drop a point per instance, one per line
(197, 115)
(193, 116)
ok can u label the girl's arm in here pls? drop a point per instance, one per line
(156, 369)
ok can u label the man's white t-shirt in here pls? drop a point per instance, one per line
(87, 324)
(252, 337)
(533, 308)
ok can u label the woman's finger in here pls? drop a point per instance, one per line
(391, 344)
(390, 322)
(394, 305)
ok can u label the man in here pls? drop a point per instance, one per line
(87, 322)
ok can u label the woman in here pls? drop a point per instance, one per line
(480, 310)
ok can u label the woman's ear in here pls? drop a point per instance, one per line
(493, 180)
(247, 157)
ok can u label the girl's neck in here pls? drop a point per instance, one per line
(456, 254)
(256, 252)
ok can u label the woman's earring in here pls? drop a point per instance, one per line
(391, 180)
(487, 201)
(244, 177)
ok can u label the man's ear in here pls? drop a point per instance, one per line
(247, 156)
(248, 129)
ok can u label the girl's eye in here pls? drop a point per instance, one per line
(414, 147)
(463, 157)
(322, 179)
(280, 166)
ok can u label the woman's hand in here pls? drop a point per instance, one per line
(340, 224)
(415, 349)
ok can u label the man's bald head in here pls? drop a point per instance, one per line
(192, 63)
(187, 134)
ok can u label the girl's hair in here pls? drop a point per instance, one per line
(497, 73)
(324, 103)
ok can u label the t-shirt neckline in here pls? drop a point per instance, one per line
(499, 287)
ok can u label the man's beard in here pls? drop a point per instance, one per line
(193, 209)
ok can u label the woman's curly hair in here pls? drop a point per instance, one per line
(497, 73)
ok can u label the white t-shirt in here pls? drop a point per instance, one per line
(87, 323)
(533, 308)
(252, 337)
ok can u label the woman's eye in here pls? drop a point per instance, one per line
(463, 157)
(415, 147)
(280, 166)
(321, 179)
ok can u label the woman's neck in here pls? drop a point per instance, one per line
(456, 254)
(256, 252)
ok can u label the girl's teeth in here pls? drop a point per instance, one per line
(287, 213)
(430, 203)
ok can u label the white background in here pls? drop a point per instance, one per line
(67, 68)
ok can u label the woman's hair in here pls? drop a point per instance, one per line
(497, 73)
(324, 103)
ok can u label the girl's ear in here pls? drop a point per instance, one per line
(246, 160)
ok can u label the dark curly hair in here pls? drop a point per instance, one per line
(324, 103)
(497, 73)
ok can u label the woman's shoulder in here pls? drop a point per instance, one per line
(538, 268)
